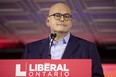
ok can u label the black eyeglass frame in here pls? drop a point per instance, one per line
(60, 15)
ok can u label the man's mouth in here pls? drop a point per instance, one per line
(61, 24)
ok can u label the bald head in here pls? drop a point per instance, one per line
(59, 19)
(59, 8)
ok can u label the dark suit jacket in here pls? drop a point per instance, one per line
(77, 48)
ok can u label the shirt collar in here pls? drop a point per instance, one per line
(65, 39)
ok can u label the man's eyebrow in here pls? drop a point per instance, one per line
(62, 13)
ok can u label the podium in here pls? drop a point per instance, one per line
(46, 68)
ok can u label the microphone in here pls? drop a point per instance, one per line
(53, 35)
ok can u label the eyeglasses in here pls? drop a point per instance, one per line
(58, 16)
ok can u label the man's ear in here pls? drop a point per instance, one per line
(47, 22)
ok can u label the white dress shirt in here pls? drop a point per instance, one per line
(58, 48)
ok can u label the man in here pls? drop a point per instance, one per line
(64, 44)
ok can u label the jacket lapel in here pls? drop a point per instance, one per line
(71, 48)
(45, 51)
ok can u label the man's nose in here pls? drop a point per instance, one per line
(62, 18)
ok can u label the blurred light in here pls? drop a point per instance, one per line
(109, 70)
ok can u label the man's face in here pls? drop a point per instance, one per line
(60, 19)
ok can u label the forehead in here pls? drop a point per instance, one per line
(59, 8)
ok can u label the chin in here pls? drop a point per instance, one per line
(61, 31)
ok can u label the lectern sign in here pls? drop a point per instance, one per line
(45, 68)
